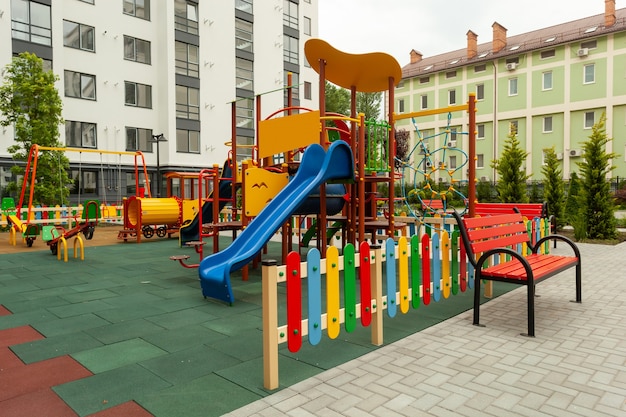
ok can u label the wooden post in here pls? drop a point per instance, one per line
(376, 266)
(270, 324)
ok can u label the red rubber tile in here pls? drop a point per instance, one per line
(18, 335)
(8, 359)
(39, 375)
(128, 409)
(44, 402)
(4, 311)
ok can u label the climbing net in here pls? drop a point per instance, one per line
(420, 168)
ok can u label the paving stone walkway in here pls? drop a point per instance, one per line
(576, 366)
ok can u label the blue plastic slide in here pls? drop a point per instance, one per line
(315, 168)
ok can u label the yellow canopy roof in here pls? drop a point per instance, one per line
(368, 73)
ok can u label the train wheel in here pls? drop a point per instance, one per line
(53, 248)
(148, 232)
(29, 241)
(89, 232)
(161, 231)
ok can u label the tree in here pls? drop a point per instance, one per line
(368, 104)
(597, 205)
(511, 179)
(337, 99)
(571, 202)
(30, 102)
(402, 147)
(554, 189)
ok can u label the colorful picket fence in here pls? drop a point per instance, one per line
(359, 286)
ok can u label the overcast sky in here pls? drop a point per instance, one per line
(433, 27)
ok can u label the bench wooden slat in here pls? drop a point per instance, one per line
(542, 266)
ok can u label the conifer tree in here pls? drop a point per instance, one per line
(597, 205)
(511, 178)
(554, 189)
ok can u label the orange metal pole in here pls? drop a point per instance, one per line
(391, 159)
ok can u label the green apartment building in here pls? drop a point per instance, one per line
(551, 84)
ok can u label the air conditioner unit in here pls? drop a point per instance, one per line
(511, 66)
(429, 164)
(583, 52)
(575, 152)
(559, 156)
(484, 178)
(452, 144)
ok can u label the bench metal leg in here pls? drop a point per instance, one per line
(476, 299)
(531, 310)
(579, 290)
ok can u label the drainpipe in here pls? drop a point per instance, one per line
(495, 117)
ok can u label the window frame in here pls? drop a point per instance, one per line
(79, 27)
(135, 42)
(85, 128)
(81, 86)
(423, 101)
(291, 49)
(187, 66)
(480, 92)
(140, 140)
(586, 114)
(146, 9)
(452, 97)
(185, 21)
(138, 88)
(480, 131)
(586, 73)
(185, 148)
(187, 110)
(291, 16)
(547, 78)
(545, 127)
(27, 29)
(513, 82)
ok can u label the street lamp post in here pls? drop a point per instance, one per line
(158, 139)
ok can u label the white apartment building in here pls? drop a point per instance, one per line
(130, 70)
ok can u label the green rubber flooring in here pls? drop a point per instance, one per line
(139, 323)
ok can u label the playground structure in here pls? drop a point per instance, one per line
(21, 216)
(57, 236)
(370, 162)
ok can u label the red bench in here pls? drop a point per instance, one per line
(528, 210)
(501, 234)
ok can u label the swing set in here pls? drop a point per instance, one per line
(30, 174)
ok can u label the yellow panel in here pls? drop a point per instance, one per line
(260, 187)
(368, 73)
(283, 134)
(190, 209)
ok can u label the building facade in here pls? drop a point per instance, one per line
(159, 77)
(550, 85)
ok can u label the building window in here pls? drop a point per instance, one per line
(137, 8)
(547, 124)
(480, 160)
(186, 16)
(136, 50)
(424, 80)
(244, 37)
(290, 14)
(291, 52)
(187, 141)
(295, 85)
(245, 74)
(590, 119)
(480, 131)
(138, 95)
(307, 90)
(85, 181)
(187, 102)
(480, 91)
(138, 139)
(307, 25)
(451, 97)
(547, 80)
(31, 22)
(550, 53)
(187, 61)
(452, 164)
(593, 44)
(512, 60)
(450, 74)
(244, 5)
(589, 74)
(512, 86)
(245, 113)
(423, 102)
(78, 36)
(480, 68)
(513, 127)
(401, 105)
(80, 134)
(88, 1)
(79, 85)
